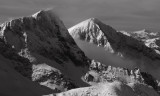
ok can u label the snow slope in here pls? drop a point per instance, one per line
(111, 89)
(126, 47)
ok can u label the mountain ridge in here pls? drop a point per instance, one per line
(39, 57)
(117, 43)
(43, 41)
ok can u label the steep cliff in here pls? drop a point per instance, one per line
(41, 49)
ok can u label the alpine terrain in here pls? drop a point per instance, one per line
(120, 49)
(39, 48)
(39, 57)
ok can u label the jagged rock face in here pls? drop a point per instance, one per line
(52, 78)
(96, 32)
(41, 33)
(90, 31)
(101, 73)
(45, 43)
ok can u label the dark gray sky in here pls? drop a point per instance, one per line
(121, 14)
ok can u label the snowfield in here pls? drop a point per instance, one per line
(112, 89)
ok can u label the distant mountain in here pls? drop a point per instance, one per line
(39, 48)
(150, 39)
(127, 48)
(145, 34)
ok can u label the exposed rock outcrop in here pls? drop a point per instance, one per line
(42, 50)
(101, 73)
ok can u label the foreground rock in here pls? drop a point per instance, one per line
(112, 89)
(101, 73)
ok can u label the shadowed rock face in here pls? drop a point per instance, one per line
(44, 51)
(38, 33)
(20, 64)
(126, 47)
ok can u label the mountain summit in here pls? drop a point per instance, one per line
(91, 30)
(127, 47)
(40, 48)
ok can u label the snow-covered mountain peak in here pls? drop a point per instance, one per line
(143, 31)
(116, 42)
(150, 39)
(42, 39)
(95, 20)
(43, 24)
(39, 48)
(42, 13)
(37, 13)
(87, 24)
(93, 31)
